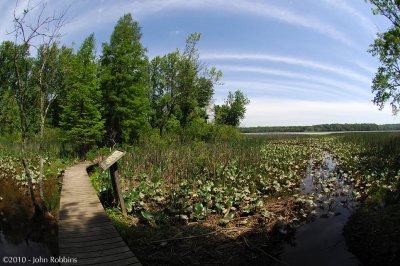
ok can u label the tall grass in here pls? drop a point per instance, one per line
(197, 178)
(10, 145)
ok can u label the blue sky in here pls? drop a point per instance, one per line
(300, 62)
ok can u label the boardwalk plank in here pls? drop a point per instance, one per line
(85, 231)
(106, 259)
(79, 250)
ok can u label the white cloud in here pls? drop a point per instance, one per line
(86, 16)
(345, 72)
(363, 20)
(175, 32)
(286, 89)
(339, 85)
(370, 69)
(274, 112)
(292, 18)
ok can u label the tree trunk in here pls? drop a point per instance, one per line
(41, 146)
(38, 209)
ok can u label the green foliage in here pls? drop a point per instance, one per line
(224, 133)
(388, 8)
(96, 152)
(197, 129)
(387, 48)
(124, 82)
(81, 116)
(67, 62)
(181, 91)
(232, 111)
(121, 98)
(16, 80)
(9, 119)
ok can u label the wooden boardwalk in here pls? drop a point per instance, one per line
(85, 231)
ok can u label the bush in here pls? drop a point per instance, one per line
(219, 133)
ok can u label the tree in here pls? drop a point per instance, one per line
(388, 8)
(386, 47)
(66, 61)
(81, 117)
(125, 82)
(232, 111)
(165, 93)
(9, 120)
(47, 75)
(29, 35)
(182, 89)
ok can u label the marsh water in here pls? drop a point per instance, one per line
(25, 250)
(321, 241)
(23, 238)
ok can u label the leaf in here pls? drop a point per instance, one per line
(198, 207)
(128, 205)
(147, 215)
(259, 203)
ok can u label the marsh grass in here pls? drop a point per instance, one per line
(179, 190)
(244, 192)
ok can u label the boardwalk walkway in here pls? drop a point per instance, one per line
(85, 231)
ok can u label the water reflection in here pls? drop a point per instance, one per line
(22, 234)
(25, 249)
(321, 241)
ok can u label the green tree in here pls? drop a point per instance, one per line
(9, 119)
(81, 117)
(165, 94)
(66, 63)
(386, 47)
(232, 111)
(182, 89)
(125, 82)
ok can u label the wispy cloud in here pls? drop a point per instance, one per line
(108, 11)
(287, 89)
(292, 18)
(339, 85)
(367, 24)
(366, 67)
(345, 72)
(176, 32)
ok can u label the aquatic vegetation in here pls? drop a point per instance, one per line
(191, 182)
(256, 184)
(237, 180)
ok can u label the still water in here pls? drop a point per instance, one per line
(321, 241)
(24, 252)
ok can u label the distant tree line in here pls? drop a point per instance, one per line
(120, 96)
(322, 128)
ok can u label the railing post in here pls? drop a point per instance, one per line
(111, 162)
(117, 190)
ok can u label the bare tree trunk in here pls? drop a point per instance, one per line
(46, 29)
(41, 148)
(38, 209)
